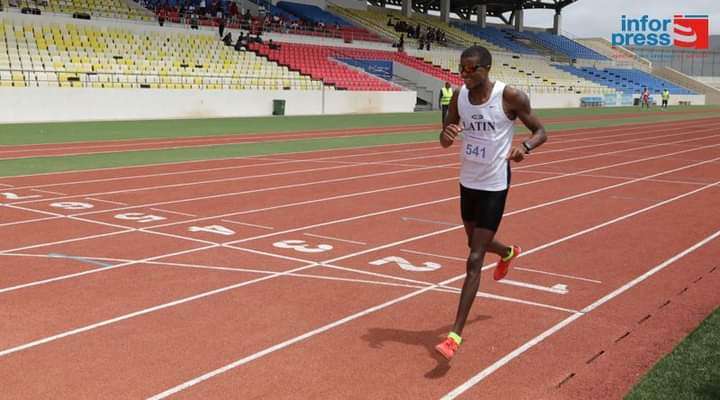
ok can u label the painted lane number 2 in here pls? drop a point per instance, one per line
(406, 265)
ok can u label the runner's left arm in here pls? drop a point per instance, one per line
(518, 104)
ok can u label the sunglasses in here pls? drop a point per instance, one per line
(471, 69)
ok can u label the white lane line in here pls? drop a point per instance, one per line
(557, 289)
(289, 342)
(48, 192)
(676, 181)
(174, 212)
(522, 184)
(451, 229)
(573, 133)
(6, 186)
(81, 259)
(633, 198)
(435, 255)
(328, 168)
(248, 224)
(334, 238)
(452, 289)
(420, 145)
(92, 271)
(106, 201)
(534, 341)
(146, 310)
(428, 221)
(416, 184)
(554, 274)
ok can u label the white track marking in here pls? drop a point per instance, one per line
(435, 255)
(289, 342)
(119, 203)
(180, 144)
(557, 289)
(554, 274)
(428, 221)
(363, 216)
(455, 197)
(81, 259)
(534, 341)
(377, 213)
(145, 311)
(92, 271)
(335, 167)
(561, 134)
(48, 192)
(248, 224)
(677, 181)
(267, 351)
(174, 212)
(145, 166)
(334, 238)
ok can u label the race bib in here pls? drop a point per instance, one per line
(478, 150)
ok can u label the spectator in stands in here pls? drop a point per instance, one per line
(161, 17)
(665, 98)
(645, 98)
(194, 21)
(228, 39)
(240, 44)
(401, 43)
(221, 26)
(484, 109)
(273, 46)
(445, 96)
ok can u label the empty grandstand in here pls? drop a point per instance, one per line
(320, 47)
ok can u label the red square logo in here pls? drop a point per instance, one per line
(691, 31)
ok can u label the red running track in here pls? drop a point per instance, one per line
(214, 301)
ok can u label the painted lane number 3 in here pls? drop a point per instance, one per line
(302, 246)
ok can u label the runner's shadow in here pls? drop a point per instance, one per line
(377, 337)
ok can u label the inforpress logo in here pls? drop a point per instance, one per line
(689, 31)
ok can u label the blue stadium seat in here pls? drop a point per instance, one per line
(628, 81)
(313, 14)
(499, 37)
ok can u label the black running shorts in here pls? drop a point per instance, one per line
(482, 208)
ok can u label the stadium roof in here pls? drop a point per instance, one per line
(495, 8)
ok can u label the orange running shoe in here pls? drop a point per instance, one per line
(504, 264)
(448, 347)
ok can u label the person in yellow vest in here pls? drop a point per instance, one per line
(446, 94)
(665, 97)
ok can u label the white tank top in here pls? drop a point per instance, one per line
(486, 141)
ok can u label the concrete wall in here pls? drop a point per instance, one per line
(352, 4)
(431, 83)
(85, 104)
(712, 95)
(319, 3)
